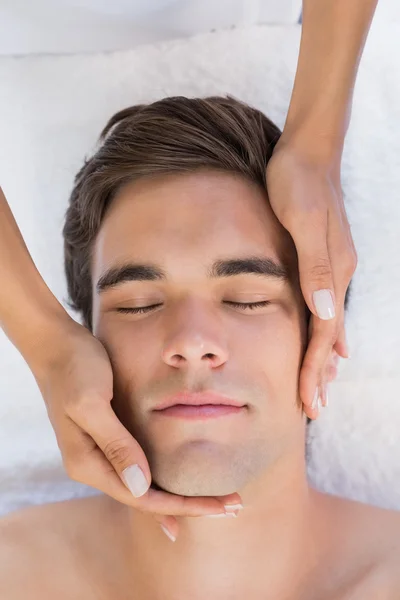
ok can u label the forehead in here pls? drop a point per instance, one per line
(189, 218)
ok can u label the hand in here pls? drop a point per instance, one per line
(77, 387)
(305, 194)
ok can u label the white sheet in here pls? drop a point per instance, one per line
(51, 111)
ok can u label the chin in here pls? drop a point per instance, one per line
(190, 480)
(203, 468)
(195, 488)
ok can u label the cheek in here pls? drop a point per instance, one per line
(131, 358)
(272, 348)
(131, 352)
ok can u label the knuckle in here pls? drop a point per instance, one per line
(348, 261)
(329, 333)
(117, 452)
(321, 270)
(309, 369)
(324, 337)
(351, 264)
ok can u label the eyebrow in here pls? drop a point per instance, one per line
(254, 265)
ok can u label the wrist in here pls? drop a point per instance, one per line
(45, 335)
(313, 144)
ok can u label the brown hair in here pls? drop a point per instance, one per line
(174, 134)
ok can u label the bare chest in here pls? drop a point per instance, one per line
(78, 584)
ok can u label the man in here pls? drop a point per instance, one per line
(178, 265)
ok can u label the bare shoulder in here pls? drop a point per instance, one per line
(388, 521)
(384, 580)
(381, 527)
(372, 534)
(37, 541)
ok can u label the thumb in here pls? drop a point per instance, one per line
(119, 447)
(315, 270)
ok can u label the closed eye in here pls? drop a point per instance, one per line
(241, 305)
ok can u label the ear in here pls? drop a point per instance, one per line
(331, 366)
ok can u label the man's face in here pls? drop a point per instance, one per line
(194, 339)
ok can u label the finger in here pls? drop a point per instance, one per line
(344, 261)
(341, 345)
(117, 444)
(315, 269)
(313, 411)
(169, 525)
(167, 503)
(89, 463)
(323, 336)
(319, 351)
(323, 339)
(85, 462)
(331, 369)
(324, 393)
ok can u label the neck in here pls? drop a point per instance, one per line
(273, 544)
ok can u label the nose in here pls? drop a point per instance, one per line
(196, 342)
(192, 353)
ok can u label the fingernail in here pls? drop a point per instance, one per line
(228, 514)
(323, 301)
(168, 533)
(233, 506)
(136, 481)
(315, 400)
(319, 403)
(326, 397)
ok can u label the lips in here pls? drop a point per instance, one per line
(198, 399)
(202, 412)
